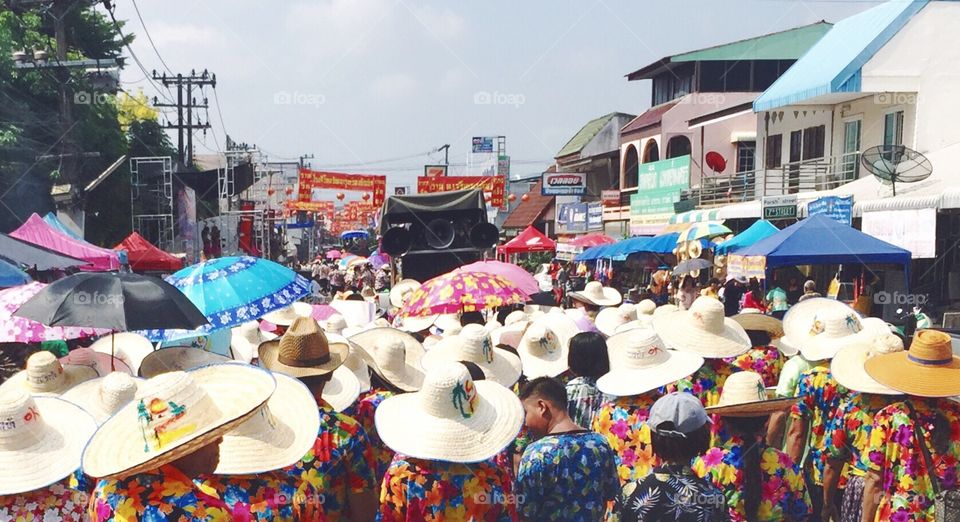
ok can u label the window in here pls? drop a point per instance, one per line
(813, 138)
(672, 84)
(746, 156)
(774, 151)
(631, 167)
(851, 149)
(678, 146)
(893, 129)
(651, 152)
(736, 76)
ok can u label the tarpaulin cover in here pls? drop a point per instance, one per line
(530, 240)
(11, 275)
(19, 252)
(398, 208)
(35, 230)
(143, 256)
(55, 222)
(760, 230)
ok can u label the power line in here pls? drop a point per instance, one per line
(150, 38)
(133, 55)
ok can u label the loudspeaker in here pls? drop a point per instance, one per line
(484, 235)
(440, 234)
(396, 241)
(427, 265)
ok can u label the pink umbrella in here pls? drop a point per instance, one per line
(517, 276)
(16, 329)
(333, 254)
(462, 292)
(378, 260)
(322, 312)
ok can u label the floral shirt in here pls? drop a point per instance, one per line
(790, 375)
(706, 382)
(783, 490)
(584, 400)
(364, 410)
(848, 431)
(893, 451)
(622, 422)
(339, 463)
(268, 496)
(55, 502)
(567, 476)
(819, 396)
(158, 495)
(417, 489)
(767, 361)
(671, 493)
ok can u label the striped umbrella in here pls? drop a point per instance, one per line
(702, 231)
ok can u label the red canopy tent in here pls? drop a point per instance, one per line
(530, 240)
(144, 257)
(592, 240)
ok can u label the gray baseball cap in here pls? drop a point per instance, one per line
(681, 410)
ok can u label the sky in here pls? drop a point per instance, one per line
(372, 86)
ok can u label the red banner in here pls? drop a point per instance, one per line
(495, 185)
(311, 179)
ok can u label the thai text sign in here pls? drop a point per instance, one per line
(494, 185)
(564, 184)
(659, 186)
(839, 209)
(311, 182)
(746, 266)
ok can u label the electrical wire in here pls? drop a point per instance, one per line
(150, 38)
(133, 55)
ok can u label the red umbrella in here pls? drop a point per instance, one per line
(518, 276)
(592, 240)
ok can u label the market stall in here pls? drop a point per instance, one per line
(143, 256)
(758, 231)
(37, 231)
(529, 240)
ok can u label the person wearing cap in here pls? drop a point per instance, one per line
(679, 431)
(568, 472)
(339, 463)
(760, 483)
(588, 361)
(446, 436)
(763, 358)
(914, 447)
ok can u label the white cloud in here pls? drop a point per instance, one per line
(186, 34)
(394, 86)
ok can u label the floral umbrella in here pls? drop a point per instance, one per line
(15, 329)
(462, 292)
(333, 254)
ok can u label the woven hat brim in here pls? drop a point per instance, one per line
(552, 365)
(396, 293)
(178, 358)
(753, 409)
(896, 371)
(101, 363)
(73, 374)
(269, 355)
(636, 324)
(342, 390)
(509, 334)
(130, 347)
(505, 368)
(411, 378)
(610, 297)
(244, 349)
(417, 323)
(760, 322)
(85, 395)
(819, 348)
(282, 444)
(608, 320)
(116, 450)
(55, 455)
(623, 382)
(785, 347)
(356, 353)
(847, 367)
(406, 428)
(677, 333)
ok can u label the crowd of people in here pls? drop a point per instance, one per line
(605, 410)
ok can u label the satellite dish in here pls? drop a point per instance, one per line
(894, 164)
(716, 162)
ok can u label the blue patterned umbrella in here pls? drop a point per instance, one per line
(233, 290)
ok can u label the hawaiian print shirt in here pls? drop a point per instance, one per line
(416, 489)
(567, 476)
(790, 375)
(55, 502)
(671, 493)
(622, 422)
(893, 451)
(365, 409)
(767, 361)
(584, 400)
(268, 496)
(706, 382)
(848, 431)
(819, 396)
(159, 495)
(339, 463)
(783, 490)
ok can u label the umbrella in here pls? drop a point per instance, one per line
(516, 275)
(15, 329)
(462, 292)
(356, 261)
(703, 230)
(345, 260)
(378, 260)
(12, 276)
(692, 264)
(333, 254)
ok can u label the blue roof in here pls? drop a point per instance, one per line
(757, 231)
(55, 222)
(11, 275)
(833, 64)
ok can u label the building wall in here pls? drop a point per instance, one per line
(871, 110)
(640, 144)
(789, 119)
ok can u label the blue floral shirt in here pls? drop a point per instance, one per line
(671, 492)
(584, 400)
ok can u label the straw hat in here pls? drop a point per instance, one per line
(288, 314)
(342, 390)
(703, 330)
(646, 307)
(394, 355)
(640, 323)
(335, 324)
(104, 396)
(473, 344)
(100, 362)
(847, 367)
(744, 395)
(596, 294)
(416, 324)
(665, 309)
(354, 362)
(542, 351)
(639, 362)
(820, 327)
(178, 359)
(928, 369)
(303, 351)
(41, 439)
(129, 347)
(174, 415)
(510, 334)
(402, 291)
(609, 319)
(516, 316)
(752, 319)
(45, 376)
(448, 324)
(276, 436)
(452, 418)
(245, 340)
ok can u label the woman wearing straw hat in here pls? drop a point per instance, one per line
(473, 344)
(594, 296)
(41, 440)
(45, 376)
(914, 436)
(639, 365)
(338, 463)
(760, 483)
(446, 435)
(764, 357)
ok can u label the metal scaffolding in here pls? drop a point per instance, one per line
(151, 200)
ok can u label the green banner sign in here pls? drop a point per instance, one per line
(660, 184)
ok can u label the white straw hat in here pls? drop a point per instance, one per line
(474, 344)
(744, 395)
(703, 330)
(665, 309)
(355, 362)
(609, 319)
(646, 307)
(542, 351)
(342, 390)
(449, 324)
(797, 321)
(178, 359)
(509, 334)
(417, 323)
(821, 327)
(41, 439)
(516, 316)
(100, 362)
(402, 290)
(335, 324)
(597, 294)
(639, 362)
(45, 375)
(394, 355)
(129, 347)
(278, 435)
(245, 340)
(847, 366)
(174, 415)
(288, 314)
(642, 322)
(104, 396)
(452, 418)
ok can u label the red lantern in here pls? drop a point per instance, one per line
(340, 196)
(271, 192)
(525, 197)
(511, 198)
(366, 197)
(289, 190)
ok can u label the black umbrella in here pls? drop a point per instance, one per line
(692, 264)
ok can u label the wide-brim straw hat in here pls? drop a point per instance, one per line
(402, 290)
(104, 396)
(452, 418)
(545, 344)
(928, 369)
(596, 294)
(100, 362)
(847, 366)
(129, 347)
(209, 401)
(752, 319)
(474, 344)
(702, 330)
(448, 324)
(245, 340)
(394, 355)
(646, 307)
(41, 442)
(46, 376)
(509, 334)
(821, 327)
(611, 318)
(642, 322)
(288, 314)
(355, 361)
(303, 351)
(417, 323)
(278, 435)
(640, 362)
(665, 309)
(178, 359)
(744, 395)
(342, 390)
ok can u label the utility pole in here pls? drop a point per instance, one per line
(186, 102)
(305, 157)
(446, 153)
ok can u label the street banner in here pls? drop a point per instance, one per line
(747, 266)
(839, 209)
(494, 185)
(311, 183)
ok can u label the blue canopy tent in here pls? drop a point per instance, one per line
(10, 275)
(760, 230)
(594, 253)
(55, 222)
